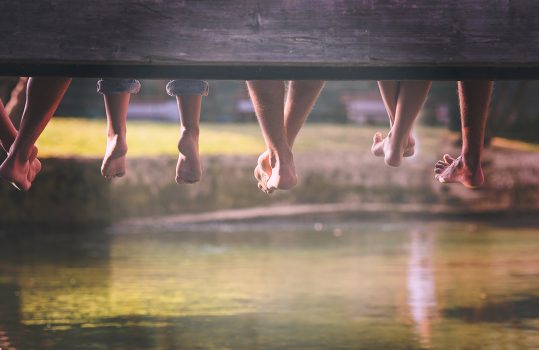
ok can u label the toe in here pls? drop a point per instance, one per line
(448, 159)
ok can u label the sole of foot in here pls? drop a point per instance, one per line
(263, 171)
(188, 171)
(453, 170)
(17, 173)
(114, 160)
(283, 174)
(380, 147)
(189, 167)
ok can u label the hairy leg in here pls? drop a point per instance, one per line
(116, 106)
(474, 97)
(189, 168)
(42, 98)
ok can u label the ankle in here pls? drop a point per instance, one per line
(471, 162)
(19, 156)
(279, 155)
(118, 137)
(192, 133)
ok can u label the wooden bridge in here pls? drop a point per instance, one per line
(277, 39)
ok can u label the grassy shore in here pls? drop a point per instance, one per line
(71, 137)
(67, 137)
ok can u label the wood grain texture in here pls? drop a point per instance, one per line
(240, 39)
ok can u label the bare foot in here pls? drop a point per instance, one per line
(263, 172)
(114, 160)
(18, 172)
(450, 170)
(379, 146)
(189, 168)
(35, 166)
(283, 171)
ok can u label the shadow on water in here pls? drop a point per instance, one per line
(513, 311)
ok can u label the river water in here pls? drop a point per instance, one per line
(308, 285)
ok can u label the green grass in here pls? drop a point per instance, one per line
(66, 137)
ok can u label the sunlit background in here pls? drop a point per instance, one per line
(357, 256)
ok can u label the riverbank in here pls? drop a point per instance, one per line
(71, 191)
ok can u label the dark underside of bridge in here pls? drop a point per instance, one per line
(278, 39)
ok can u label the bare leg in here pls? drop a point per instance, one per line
(189, 168)
(42, 98)
(268, 100)
(8, 133)
(474, 99)
(301, 97)
(15, 106)
(410, 98)
(389, 90)
(116, 106)
(390, 94)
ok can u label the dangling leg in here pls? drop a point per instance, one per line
(17, 100)
(189, 98)
(116, 94)
(43, 97)
(300, 100)
(8, 133)
(268, 100)
(474, 99)
(389, 90)
(412, 96)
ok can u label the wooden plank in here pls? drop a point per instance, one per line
(302, 39)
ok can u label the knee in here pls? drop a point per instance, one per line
(116, 86)
(188, 87)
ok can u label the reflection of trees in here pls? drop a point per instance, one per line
(421, 287)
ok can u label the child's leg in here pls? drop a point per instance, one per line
(268, 101)
(301, 97)
(389, 90)
(116, 94)
(412, 96)
(43, 97)
(474, 99)
(189, 97)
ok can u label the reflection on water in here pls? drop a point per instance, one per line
(421, 287)
(330, 286)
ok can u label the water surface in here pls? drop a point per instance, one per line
(299, 286)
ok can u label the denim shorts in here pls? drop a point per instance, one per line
(178, 87)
